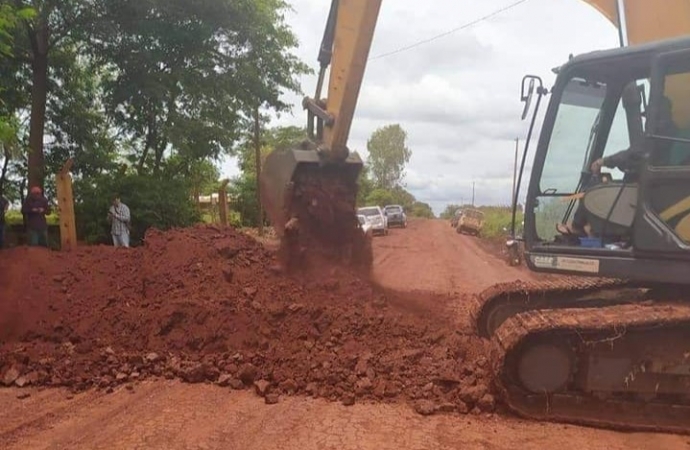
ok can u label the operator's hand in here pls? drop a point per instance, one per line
(597, 165)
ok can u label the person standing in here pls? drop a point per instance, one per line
(35, 209)
(4, 206)
(119, 218)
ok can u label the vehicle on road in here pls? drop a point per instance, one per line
(364, 224)
(376, 218)
(471, 221)
(395, 215)
(456, 216)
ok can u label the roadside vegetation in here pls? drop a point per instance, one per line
(497, 219)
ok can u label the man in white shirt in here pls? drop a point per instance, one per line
(119, 218)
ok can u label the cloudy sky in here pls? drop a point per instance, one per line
(457, 96)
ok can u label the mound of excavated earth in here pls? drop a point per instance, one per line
(209, 305)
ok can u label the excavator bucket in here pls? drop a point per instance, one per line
(312, 205)
(285, 169)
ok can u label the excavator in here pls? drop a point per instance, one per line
(604, 338)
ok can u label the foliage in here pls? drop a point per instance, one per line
(10, 16)
(188, 75)
(14, 217)
(243, 191)
(160, 202)
(269, 139)
(421, 209)
(388, 155)
(243, 187)
(449, 211)
(497, 219)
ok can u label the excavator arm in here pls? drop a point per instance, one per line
(347, 41)
(310, 190)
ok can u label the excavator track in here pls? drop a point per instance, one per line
(499, 302)
(624, 367)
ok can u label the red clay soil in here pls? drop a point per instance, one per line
(210, 305)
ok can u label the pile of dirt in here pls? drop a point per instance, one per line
(210, 305)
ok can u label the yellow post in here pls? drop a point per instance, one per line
(68, 227)
(223, 203)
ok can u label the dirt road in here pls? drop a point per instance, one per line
(168, 415)
(429, 258)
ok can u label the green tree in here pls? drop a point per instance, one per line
(243, 187)
(188, 75)
(379, 197)
(449, 211)
(388, 155)
(421, 209)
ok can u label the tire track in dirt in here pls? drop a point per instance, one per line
(431, 259)
(170, 415)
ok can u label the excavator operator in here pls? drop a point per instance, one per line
(629, 161)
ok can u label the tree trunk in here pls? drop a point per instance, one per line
(39, 94)
(5, 166)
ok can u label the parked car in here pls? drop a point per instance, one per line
(471, 222)
(395, 215)
(455, 218)
(364, 225)
(376, 218)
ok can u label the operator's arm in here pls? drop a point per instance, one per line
(625, 160)
(46, 207)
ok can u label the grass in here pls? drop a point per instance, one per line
(496, 219)
(14, 217)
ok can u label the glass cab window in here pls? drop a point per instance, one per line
(672, 128)
(574, 130)
(585, 121)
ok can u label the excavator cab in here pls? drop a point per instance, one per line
(636, 214)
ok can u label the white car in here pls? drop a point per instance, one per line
(364, 225)
(375, 218)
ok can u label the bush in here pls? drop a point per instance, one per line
(496, 219)
(153, 202)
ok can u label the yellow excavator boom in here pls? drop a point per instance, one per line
(647, 20)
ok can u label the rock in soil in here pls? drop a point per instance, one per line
(425, 407)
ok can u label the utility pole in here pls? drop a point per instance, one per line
(512, 200)
(473, 193)
(257, 157)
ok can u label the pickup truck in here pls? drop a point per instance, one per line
(470, 221)
(396, 215)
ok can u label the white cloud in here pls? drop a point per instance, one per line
(458, 96)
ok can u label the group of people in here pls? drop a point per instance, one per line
(36, 207)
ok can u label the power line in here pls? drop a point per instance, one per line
(461, 27)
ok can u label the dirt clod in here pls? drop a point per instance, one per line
(10, 376)
(272, 398)
(261, 387)
(425, 407)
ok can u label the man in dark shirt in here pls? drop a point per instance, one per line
(35, 209)
(4, 206)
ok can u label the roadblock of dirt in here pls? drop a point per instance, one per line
(210, 305)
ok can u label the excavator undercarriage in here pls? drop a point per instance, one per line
(599, 352)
